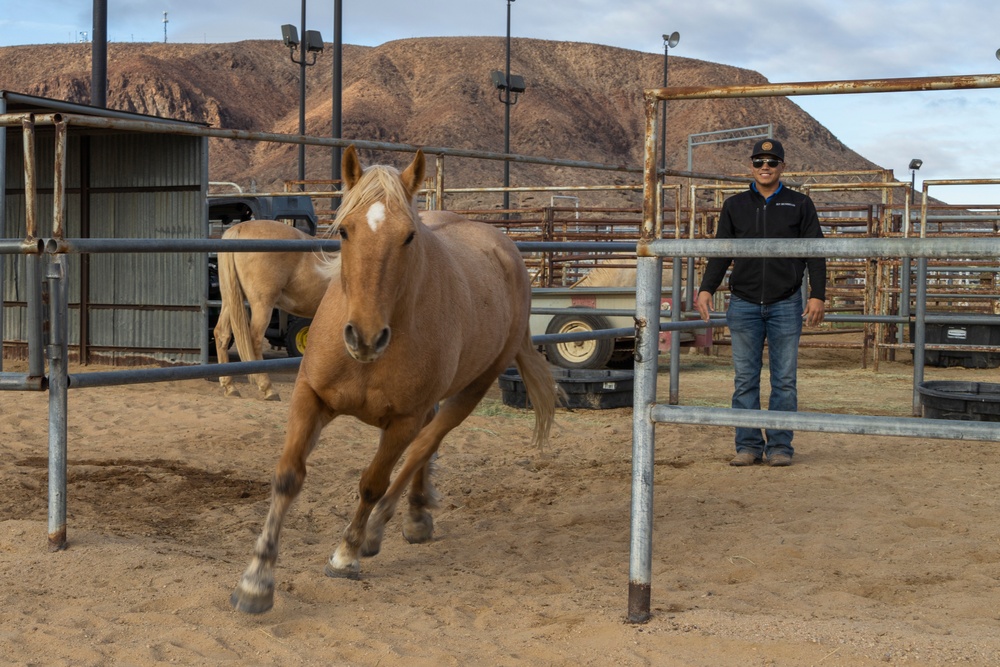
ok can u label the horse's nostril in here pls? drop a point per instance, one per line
(351, 336)
(383, 339)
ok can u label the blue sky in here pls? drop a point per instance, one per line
(955, 133)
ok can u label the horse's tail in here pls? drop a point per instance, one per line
(232, 293)
(541, 387)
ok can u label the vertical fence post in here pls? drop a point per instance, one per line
(3, 221)
(647, 320)
(33, 263)
(439, 182)
(57, 348)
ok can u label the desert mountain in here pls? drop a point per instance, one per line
(583, 102)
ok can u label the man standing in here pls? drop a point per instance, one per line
(766, 298)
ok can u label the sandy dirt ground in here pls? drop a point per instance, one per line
(867, 551)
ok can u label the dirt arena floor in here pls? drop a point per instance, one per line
(867, 551)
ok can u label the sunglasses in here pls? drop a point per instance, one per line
(759, 162)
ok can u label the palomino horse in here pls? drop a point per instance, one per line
(429, 308)
(293, 281)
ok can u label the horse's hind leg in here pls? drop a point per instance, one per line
(374, 482)
(260, 317)
(307, 417)
(418, 525)
(386, 507)
(223, 337)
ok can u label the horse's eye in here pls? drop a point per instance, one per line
(409, 238)
(343, 233)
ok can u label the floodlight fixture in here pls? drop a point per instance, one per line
(311, 43)
(290, 35)
(515, 85)
(314, 41)
(998, 54)
(915, 164)
(672, 40)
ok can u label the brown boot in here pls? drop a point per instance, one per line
(779, 460)
(744, 459)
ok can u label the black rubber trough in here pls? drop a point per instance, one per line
(594, 389)
(966, 401)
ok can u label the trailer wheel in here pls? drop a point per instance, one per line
(583, 353)
(295, 337)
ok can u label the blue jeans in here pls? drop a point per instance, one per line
(750, 325)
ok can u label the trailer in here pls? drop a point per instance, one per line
(560, 310)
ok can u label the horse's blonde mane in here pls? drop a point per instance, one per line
(378, 182)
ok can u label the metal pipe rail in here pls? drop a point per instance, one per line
(963, 248)
(828, 423)
(187, 129)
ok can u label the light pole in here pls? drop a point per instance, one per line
(914, 165)
(312, 42)
(669, 42)
(338, 85)
(507, 83)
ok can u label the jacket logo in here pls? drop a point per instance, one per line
(784, 203)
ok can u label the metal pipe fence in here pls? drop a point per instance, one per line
(650, 249)
(646, 410)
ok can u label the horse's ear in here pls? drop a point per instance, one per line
(351, 167)
(413, 176)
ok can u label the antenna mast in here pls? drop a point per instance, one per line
(165, 27)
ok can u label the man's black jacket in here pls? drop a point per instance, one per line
(787, 215)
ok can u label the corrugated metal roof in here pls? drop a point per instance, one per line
(21, 103)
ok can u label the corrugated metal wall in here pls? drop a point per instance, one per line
(142, 307)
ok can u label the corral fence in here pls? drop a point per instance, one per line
(46, 252)
(863, 293)
(651, 251)
(45, 280)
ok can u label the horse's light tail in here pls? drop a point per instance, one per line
(541, 387)
(232, 293)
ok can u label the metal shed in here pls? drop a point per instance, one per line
(125, 309)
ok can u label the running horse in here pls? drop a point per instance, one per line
(293, 281)
(429, 309)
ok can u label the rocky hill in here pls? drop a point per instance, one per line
(583, 102)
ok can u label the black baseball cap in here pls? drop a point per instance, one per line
(769, 147)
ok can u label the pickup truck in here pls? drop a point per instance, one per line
(285, 331)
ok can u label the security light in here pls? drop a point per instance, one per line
(290, 35)
(314, 41)
(915, 163)
(499, 81)
(673, 39)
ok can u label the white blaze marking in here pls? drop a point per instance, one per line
(376, 215)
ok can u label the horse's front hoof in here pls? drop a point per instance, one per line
(419, 531)
(351, 572)
(250, 603)
(272, 396)
(231, 392)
